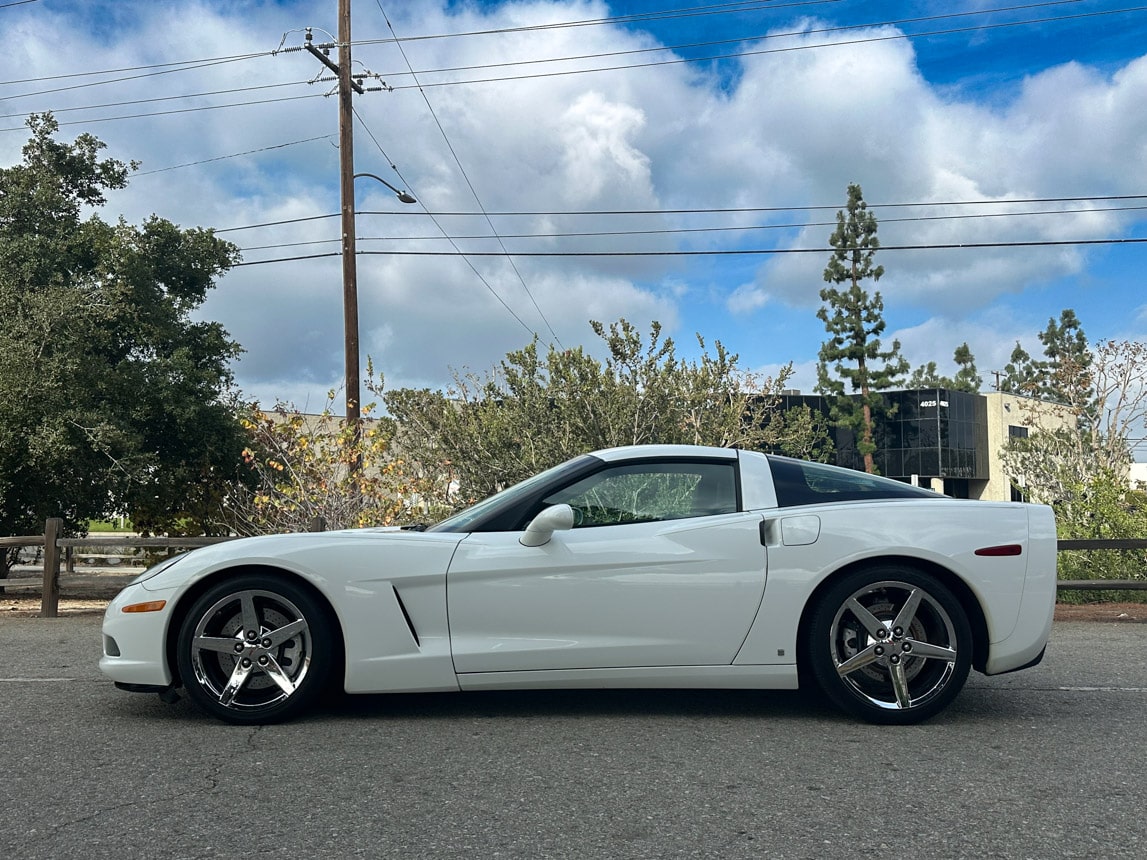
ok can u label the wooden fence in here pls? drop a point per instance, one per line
(60, 551)
(57, 550)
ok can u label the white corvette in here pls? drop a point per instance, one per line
(651, 566)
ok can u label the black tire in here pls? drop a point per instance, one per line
(256, 649)
(889, 645)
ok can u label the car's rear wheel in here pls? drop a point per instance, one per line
(889, 645)
(255, 649)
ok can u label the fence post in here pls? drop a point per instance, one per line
(317, 524)
(50, 596)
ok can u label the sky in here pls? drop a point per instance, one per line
(671, 160)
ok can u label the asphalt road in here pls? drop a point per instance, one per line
(1044, 763)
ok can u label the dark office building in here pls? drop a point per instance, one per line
(930, 433)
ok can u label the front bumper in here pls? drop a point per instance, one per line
(135, 643)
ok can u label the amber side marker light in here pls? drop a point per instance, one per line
(1006, 549)
(150, 606)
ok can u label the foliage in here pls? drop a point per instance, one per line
(1077, 452)
(854, 321)
(966, 378)
(798, 432)
(300, 470)
(537, 409)
(112, 400)
(1062, 373)
(1102, 509)
(1086, 433)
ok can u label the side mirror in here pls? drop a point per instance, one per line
(543, 526)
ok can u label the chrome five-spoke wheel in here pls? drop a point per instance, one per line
(254, 649)
(890, 645)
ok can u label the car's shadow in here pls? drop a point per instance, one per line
(974, 705)
(501, 704)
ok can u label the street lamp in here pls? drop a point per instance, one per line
(350, 309)
(404, 196)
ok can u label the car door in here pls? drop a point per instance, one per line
(661, 569)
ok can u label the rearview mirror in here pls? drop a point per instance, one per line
(543, 526)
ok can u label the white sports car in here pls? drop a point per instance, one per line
(651, 566)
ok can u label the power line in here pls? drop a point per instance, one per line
(741, 39)
(721, 8)
(195, 64)
(166, 98)
(763, 51)
(637, 17)
(188, 66)
(747, 227)
(279, 223)
(712, 211)
(446, 236)
(180, 110)
(732, 252)
(474, 193)
(233, 155)
(692, 230)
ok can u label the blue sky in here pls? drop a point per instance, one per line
(772, 120)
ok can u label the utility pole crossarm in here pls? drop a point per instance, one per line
(326, 61)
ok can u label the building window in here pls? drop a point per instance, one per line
(1017, 432)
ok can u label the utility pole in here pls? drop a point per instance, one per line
(350, 268)
(346, 87)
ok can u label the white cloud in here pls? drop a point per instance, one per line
(791, 129)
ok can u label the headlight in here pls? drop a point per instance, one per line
(159, 568)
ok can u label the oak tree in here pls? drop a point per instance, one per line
(113, 399)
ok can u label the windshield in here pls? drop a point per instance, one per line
(508, 498)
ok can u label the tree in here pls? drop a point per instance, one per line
(1087, 432)
(1058, 376)
(1077, 453)
(855, 320)
(300, 469)
(966, 378)
(112, 399)
(537, 409)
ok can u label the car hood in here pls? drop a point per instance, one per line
(354, 553)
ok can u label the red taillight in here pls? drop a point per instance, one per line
(1006, 549)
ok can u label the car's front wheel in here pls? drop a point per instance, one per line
(255, 649)
(889, 645)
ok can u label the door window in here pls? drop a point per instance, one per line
(650, 492)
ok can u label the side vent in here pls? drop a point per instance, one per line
(406, 615)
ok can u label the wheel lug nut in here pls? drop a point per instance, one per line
(895, 658)
(266, 643)
(878, 650)
(906, 647)
(238, 647)
(246, 663)
(263, 660)
(899, 631)
(252, 635)
(881, 633)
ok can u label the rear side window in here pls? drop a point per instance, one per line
(801, 483)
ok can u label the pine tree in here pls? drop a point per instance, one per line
(967, 378)
(855, 320)
(1022, 374)
(1064, 375)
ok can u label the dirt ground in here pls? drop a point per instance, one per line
(13, 606)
